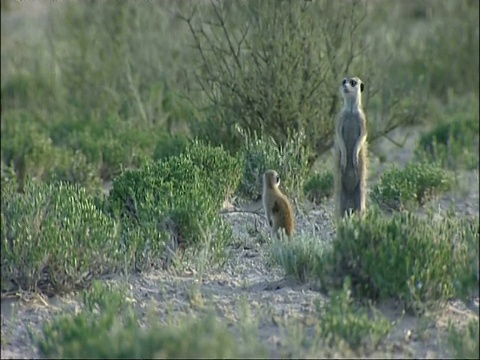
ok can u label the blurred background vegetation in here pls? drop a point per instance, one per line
(90, 88)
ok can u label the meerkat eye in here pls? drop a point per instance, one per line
(344, 81)
(277, 179)
(353, 83)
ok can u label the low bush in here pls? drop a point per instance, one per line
(26, 143)
(454, 140)
(342, 321)
(188, 189)
(415, 184)
(23, 136)
(302, 259)
(54, 238)
(319, 187)
(261, 153)
(172, 145)
(109, 144)
(108, 328)
(419, 261)
(464, 342)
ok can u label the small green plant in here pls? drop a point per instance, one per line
(453, 143)
(303, 259)
(420, 261)
(54, 238)
(188, 189)
(108, 328)
(415, 184)
(319, 186)
(342, 321)
(169, 146)
(464, 342)
(261, 153)
(73, 168)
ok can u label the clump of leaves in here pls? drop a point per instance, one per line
(261, 153)
(108, 328)
(319, 186)
(420, 261)
(342, 321)
(302, 259)
(414, 184)
(188, 190)
(54, 238)
(464, 342)
(453, 143)
(172, 145)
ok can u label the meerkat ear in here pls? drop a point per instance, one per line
(361, 87)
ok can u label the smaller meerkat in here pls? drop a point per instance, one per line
(351, 149)
(278, 208)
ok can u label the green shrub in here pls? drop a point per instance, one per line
(416, 260)
(24, 138)
(419, 261)
(416, 183)
(73, 168)
(169, 146)
(23, 135)
(223, 170)
(189, 189)
(262, 153)
(53, 238)
(108, 328)
(302, 259)
(454, 141)
(109, 144)
(342, 321)
(464, 342)
(319, 187)
(27, 91)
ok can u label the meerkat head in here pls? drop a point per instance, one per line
(271, 179)
(351, 89)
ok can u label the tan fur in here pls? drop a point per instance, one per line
(278, 208)
(351, 150)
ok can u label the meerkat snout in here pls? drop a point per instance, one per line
(277, 207)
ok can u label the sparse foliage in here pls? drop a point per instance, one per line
(413, 185)
(272, 67)
(319, 186)
(189, 189)
(260, 154)
(54, 238)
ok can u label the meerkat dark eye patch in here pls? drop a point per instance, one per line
(344, 81)
(353, 83)
(277, 179)
(361, 87)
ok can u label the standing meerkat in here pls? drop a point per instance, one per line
(278, 208)
(351, 150)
